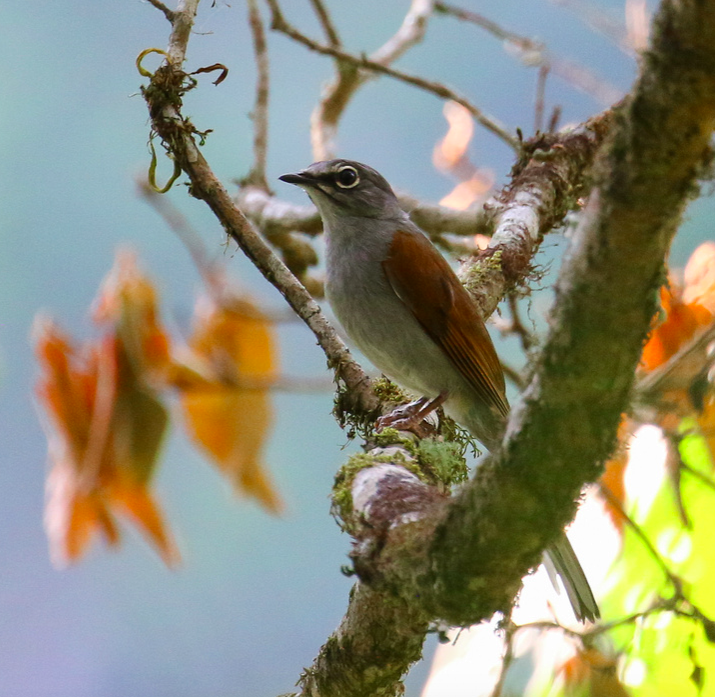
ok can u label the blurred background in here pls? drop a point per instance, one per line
(256, 595)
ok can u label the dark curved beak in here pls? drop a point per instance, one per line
(298, 178)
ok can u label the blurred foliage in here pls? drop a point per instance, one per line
(106, 406)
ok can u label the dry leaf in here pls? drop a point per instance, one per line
(127, 302)
(593, 673)
(224, 391)
(613, 476)
(106, 421)
(450, 156)
(681, 322)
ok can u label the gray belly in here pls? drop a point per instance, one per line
(380, 325)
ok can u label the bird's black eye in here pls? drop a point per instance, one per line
(347, 177)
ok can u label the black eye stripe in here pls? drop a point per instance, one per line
(347, 177)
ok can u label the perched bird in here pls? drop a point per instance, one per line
(403, 306)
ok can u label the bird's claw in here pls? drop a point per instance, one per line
(412, 417)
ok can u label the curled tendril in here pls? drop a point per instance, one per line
(152, 171)
(211, 69)
(143, 71)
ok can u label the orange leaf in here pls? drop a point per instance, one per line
(231, 425)
(235, 338)
(128, 303)
(106, 429)
(228, 410)
(680, 323)
(592, 672)
(73, 516)
(141, 507)
(453, 147)
(612, 478)
(65, 389)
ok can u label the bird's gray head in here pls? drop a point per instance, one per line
(344, 188)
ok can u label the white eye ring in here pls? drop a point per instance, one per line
(350, 184)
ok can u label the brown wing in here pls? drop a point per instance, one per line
(425, 282)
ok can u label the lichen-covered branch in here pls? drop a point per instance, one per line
(547, 182)
(379, 638)
(564, 426)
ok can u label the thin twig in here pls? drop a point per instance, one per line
(584, 80)
(486, 23)
(670, 375)
(507, 658)
(513, 375)
(540, 98)
(517, 325)
(616, 505)
(660, 605)
(169, 14)
(702, 478)
(554, 119)
(257, 175)
(337, 94)
(280, 24)
(179, 225)
(181, 24)
(600, 21)
(535, 53)
(331, 33)
(176, 131)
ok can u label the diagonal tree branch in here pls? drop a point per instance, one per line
(564, 426)
(163, 97)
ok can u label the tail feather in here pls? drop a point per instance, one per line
(561, 557)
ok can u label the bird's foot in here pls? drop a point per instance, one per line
(411, 417)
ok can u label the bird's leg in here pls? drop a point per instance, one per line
(410, 417)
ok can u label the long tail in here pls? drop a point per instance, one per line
(564, 561)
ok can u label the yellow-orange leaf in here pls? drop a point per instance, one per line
(144, 511)
(612, 478)
(106, 426)
(127, 302)
(231, 425)
(228, 410)
(592, 672)
(235, 338)
(681, 321)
